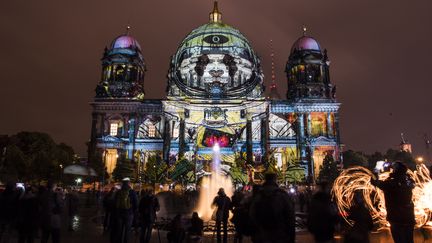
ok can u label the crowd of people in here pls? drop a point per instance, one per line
(266, 213)
(35, 212)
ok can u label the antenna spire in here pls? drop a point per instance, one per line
(215, 15)
(273, 76)
(274, 94)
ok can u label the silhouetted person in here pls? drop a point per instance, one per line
(272, 213)
(109, 207)
(176, 233)
(51, 206)
(28, 217)
(148, 206)
(72, 202)
(126, 204)
(363, 223)
(223, 204)
(236, 205)
(302, 200)
(322, 215)
(195, 231)
(398, 200)
(8, 200)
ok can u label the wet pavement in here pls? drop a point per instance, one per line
(88, 229)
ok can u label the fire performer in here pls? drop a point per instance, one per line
(398, 199)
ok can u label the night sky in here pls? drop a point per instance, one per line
(380, 54)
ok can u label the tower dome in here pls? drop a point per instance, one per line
(215, 60)
(308, 71)
(305, 43)
(123, 70)
(125, 42)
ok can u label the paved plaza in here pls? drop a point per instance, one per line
(88, 229)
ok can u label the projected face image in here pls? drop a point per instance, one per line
(209, 71)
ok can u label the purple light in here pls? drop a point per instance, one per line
(306, 43)
(125, 41)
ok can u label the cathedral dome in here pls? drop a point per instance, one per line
(215, 37)
(215, 60)
(125, 42)
(306, 43)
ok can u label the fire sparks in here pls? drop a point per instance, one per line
(356, 179)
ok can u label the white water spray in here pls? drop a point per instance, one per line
(210, 186)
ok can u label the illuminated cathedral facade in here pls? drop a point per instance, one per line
(215, 94)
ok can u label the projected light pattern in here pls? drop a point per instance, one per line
(359, 179)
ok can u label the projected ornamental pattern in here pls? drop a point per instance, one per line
(215, 95)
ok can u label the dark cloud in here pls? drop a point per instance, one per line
(380, 53)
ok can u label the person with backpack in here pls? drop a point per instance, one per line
(148, 206)
(223, 204)
(272, 213)
(126, 204)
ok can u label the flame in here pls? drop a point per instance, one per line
(359, 178)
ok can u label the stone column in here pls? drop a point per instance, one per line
(181, 138)
(336, 132)
(329, 125)
(249, 155)
(102, 125)
(301, 125)
(131, 136)
(166, 139)
(309, 124)
(265, 137)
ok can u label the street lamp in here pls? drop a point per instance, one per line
(78, 181)
(61, 173)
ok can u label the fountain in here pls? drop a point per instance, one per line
(210, 186)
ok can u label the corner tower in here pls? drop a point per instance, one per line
(313, 98)
(118, 96)
(123, 70)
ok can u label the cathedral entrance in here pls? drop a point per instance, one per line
(319, 153)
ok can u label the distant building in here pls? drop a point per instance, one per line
(215, 94)
(405, 145)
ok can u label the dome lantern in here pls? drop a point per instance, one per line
(215, 15)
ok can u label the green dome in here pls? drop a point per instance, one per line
(215, 61)
(215, 37)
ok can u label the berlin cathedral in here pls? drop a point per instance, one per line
(215, 95)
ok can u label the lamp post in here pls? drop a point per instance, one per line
(61, 173)
(78, 181)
